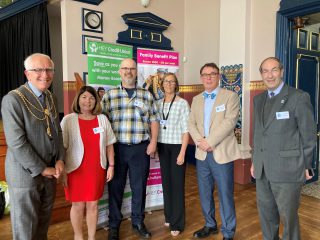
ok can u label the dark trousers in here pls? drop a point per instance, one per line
(210, 172)
(275, 201)
(173, 178)
(135, 159)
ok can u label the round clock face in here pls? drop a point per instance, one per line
(93, 20)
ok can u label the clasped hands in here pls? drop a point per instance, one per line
(204, 145)
(56, 171)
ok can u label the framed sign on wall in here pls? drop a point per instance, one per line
(92, 20)
(85, 39)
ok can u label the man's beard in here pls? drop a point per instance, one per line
(130, 81)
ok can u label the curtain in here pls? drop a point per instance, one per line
(21, 35)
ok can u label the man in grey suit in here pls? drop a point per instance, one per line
(35, 151)
(284, 139)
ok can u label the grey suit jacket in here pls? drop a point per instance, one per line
(30, 149)
(283, 146)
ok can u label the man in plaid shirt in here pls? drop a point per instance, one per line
(134, 117)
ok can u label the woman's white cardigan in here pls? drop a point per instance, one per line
(73, 143)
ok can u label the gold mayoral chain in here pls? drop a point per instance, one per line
(45, 111)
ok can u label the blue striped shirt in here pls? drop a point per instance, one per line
(208, 107)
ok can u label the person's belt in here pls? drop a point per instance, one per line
(133, 144)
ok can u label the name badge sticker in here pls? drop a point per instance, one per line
(163, 122)
(221, 108)
(98, 130)
(282, 115)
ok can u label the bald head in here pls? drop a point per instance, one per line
(127, 61)
(128, 73)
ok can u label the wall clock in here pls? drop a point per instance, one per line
(92, 20)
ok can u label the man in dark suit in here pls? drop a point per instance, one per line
(214, 114)
(35, 151)
(284, 140)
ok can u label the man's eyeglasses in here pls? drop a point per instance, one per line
(42, 70)
(128, 69)
(210, 75)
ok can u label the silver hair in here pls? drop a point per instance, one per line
(28, 60)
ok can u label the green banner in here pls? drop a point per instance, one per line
(103, 62)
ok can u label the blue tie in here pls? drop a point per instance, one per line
(209, 95)
(271, 94)
(42, 98)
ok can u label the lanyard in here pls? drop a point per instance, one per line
(166, 117)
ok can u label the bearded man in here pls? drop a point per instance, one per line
(134, 117)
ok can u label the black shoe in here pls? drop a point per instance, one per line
(113, 234)
(205, 232)
(141, 230)
(224, 238)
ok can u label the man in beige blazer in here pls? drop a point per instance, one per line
(213, 116)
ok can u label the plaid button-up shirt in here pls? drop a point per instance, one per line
(177, 122)
(130, 118)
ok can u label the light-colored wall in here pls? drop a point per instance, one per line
(232, 32)
(201, 37)
(213, 30)
(247, 35)
(260, 41)
(263, 34)
(234, 22)
(71, 21)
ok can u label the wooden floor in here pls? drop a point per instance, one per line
(247, 218)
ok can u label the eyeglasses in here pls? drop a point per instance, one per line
(274, 70)
(42, 70)
(128, 69)
(210, 75)
(169, 82)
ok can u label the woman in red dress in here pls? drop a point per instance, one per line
(88, 140)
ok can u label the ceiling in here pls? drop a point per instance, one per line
(313, 18)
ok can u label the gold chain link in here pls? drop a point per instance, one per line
(45, 111)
